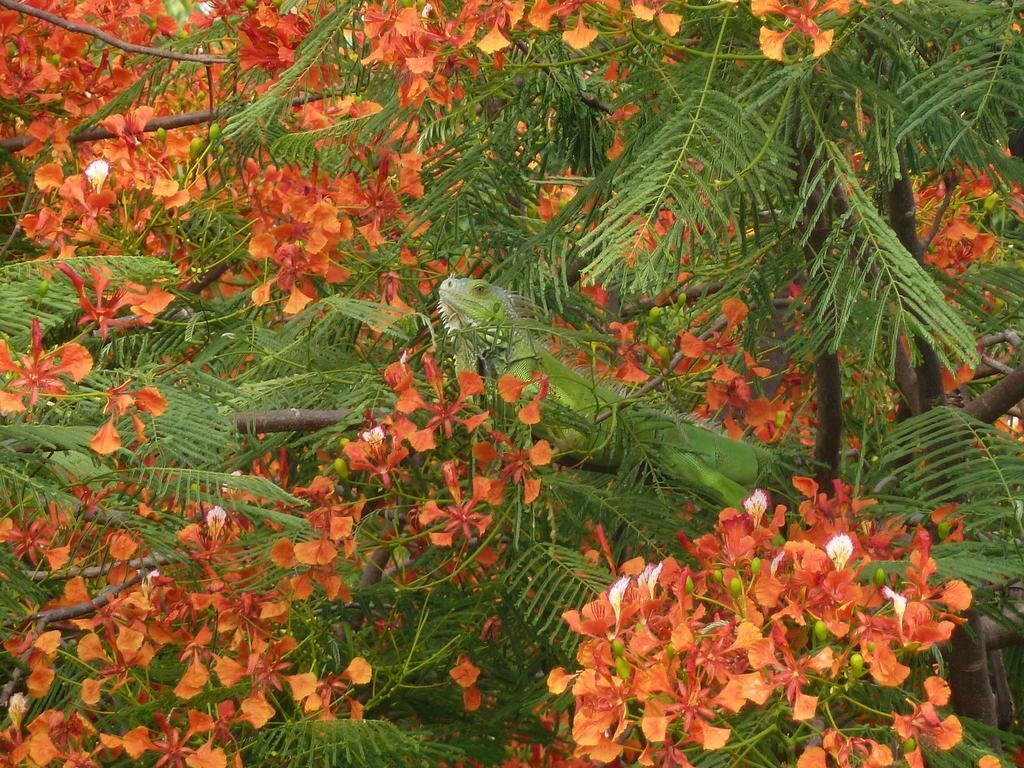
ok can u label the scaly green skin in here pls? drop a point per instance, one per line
(487, 323)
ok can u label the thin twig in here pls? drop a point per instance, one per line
(19, 672)
(288, 420)
(1010, 337)
(995, 365)
(933, 230)
(25, 205)
(656, 381)
(684, 291)
(586, 97)
(99, 34)
(167, 122)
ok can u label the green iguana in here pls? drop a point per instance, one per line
(488, 328)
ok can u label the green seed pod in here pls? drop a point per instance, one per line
(654, 313)
(879, 577)
(820, 631)
(622, 667)
(909, 745)
(664, 354)
(755, 566)
(856, 663)
(689, 585)
(196, 147)
(944, 529)
(215, 131)
(618, 648)
(735, 587)
(42, 287)
(161, 134)
(719, 577)
(871, 646)
(341, 468)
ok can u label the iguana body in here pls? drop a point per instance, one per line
(487, 323)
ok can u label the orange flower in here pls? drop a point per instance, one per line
(39, 372)
(802, 17)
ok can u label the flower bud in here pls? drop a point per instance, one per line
(735, 587)
(820, 631)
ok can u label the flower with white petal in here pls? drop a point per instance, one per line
(755, 505)
(373, 436)
(615, 594)
(777, 561)
(216, 517)
(899, 602)
(17, 706)
(96, 172)
(147, 582)
(839, 549)
(649, 577)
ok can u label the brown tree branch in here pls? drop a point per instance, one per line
(999, 398)
(968, 671)
(288, 420)
(116, 42)
(91, 572)
(828, 380)
(1001, 687)
(167, 122)
(828, 395)
(86, 607)
(209, 278)
(373, 571)
(903, 219)
(933, 230)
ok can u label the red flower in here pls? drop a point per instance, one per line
(144, 303)
(40, 373)
(461, 515)
(443, 414)
(371, 453)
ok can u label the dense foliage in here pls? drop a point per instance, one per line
(252, 513)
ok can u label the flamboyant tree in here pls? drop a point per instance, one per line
(252, 513)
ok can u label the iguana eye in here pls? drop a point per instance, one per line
(480, 288)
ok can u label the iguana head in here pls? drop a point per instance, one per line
(466, 302)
